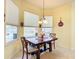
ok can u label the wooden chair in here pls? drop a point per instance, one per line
(53, 35)
(27, 49)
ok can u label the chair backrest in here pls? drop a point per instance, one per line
(24, 45)
(53, 35)
(24, 42)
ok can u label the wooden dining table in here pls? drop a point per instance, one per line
(38, 42)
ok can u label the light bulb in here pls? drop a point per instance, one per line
(44, 21)
(40, 22)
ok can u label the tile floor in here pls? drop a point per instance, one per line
(58, 53)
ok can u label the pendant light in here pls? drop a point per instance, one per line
(43, 19)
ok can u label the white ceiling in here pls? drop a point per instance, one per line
(48, 3)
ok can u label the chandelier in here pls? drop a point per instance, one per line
(43, 19)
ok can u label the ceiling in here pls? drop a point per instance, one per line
(48, 3)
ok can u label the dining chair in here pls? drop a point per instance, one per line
(53, 36)
(41, 38)
(27, 48)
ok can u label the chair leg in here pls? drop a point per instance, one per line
(23, 55)
(37, 54)
(26, 55)
(54, 44)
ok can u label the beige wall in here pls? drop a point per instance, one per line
(65, 34)
(73, 26)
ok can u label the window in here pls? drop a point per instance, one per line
(31, 24)
(47, 31)
(12, 12)
(47, 28)
(11, 33)
(30, 31)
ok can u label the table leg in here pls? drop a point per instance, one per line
(44, 46)
(50, 46)
(54, 44)
(38, 54)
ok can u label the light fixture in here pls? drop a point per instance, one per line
(43, 19)
(60, 24)
(21, 24)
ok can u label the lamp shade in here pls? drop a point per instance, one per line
(45, 21)
(40, 22)
(60, 24)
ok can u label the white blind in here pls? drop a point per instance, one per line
(12, 13)
(30, 19)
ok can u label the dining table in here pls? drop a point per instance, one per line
(37, 42)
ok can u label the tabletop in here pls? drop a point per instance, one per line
(36, 40)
